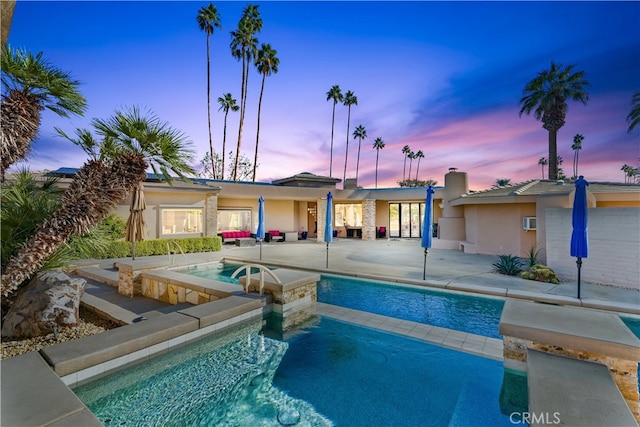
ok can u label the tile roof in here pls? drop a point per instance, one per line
(538, 186)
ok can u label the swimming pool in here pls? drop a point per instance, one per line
(466, 313)
(322, 372)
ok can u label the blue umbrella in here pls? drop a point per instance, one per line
(328, 228)
(260, 231)
(427, 228)
(580, 233)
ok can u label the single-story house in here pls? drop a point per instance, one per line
(506, 220)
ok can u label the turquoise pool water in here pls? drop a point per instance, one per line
(320, 373)
(472, 314)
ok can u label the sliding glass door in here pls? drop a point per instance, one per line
(405, 219)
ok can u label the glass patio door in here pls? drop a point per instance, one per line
(405, 220)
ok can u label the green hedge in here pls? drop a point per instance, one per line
(122, 249)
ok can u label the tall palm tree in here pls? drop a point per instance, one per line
(6, 14)
(244, 47)
(378, 145)
(227, 102)
(419, 155)
(543, 162)
(131, 142)
(266, 62)
(349, 99)
(208, 19)
(576, 147)
(334, 94)
(405, 150)
(411, 155)
(634, 115)
(546, 95)
(629, 173)
(31, 84)
(360, 132)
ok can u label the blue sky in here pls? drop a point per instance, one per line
(441, 77)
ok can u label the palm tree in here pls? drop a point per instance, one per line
(31, 84)
(334, 94)
(131, 143)
(405, 150)
(208, 19)
(543, 162)
(378, 145)
(634, 115)
(244, 48)
(360, 132)
(629, 173)
(576, 147)
(546, 95)
(227, 102)
(6, 14)
(411, 155)
(266, 62)
(502, 182)
(419, 155)
(349, 99)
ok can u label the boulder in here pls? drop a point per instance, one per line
(52, 298)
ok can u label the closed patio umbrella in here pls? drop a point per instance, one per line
(135, 222)
(328, 228)
(580, 233)
(260, 231)
(427, 228)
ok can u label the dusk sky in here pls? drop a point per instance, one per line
(441, 77)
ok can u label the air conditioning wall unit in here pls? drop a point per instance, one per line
(529, 223)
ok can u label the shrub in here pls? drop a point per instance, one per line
(541, 273)
(122, 249)
(115, 225)
(508, 264)
(533, 256)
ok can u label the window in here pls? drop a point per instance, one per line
(234, 220)
(181, 221)
(348, 215)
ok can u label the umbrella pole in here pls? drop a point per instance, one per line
(327, 263)
(260, 248)
(133, 250)
(579, 263)
(424, 267)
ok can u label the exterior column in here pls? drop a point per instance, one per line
(211, 216)
(369, 219)
(321, 212)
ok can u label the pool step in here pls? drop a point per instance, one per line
(106, 276)
(573, 392)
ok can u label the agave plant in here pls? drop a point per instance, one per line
(508, 264)
(132, 141)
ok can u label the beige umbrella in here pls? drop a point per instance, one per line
(135, 222)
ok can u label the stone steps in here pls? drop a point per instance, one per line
(573, 392)
(108, 277)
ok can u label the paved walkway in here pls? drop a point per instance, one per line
(397, 260)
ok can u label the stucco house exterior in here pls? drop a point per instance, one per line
(505, 220)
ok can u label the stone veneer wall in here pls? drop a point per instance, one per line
(173, 294)
(369, 219)
(211, 216)
(623, 372)
(321, 212)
